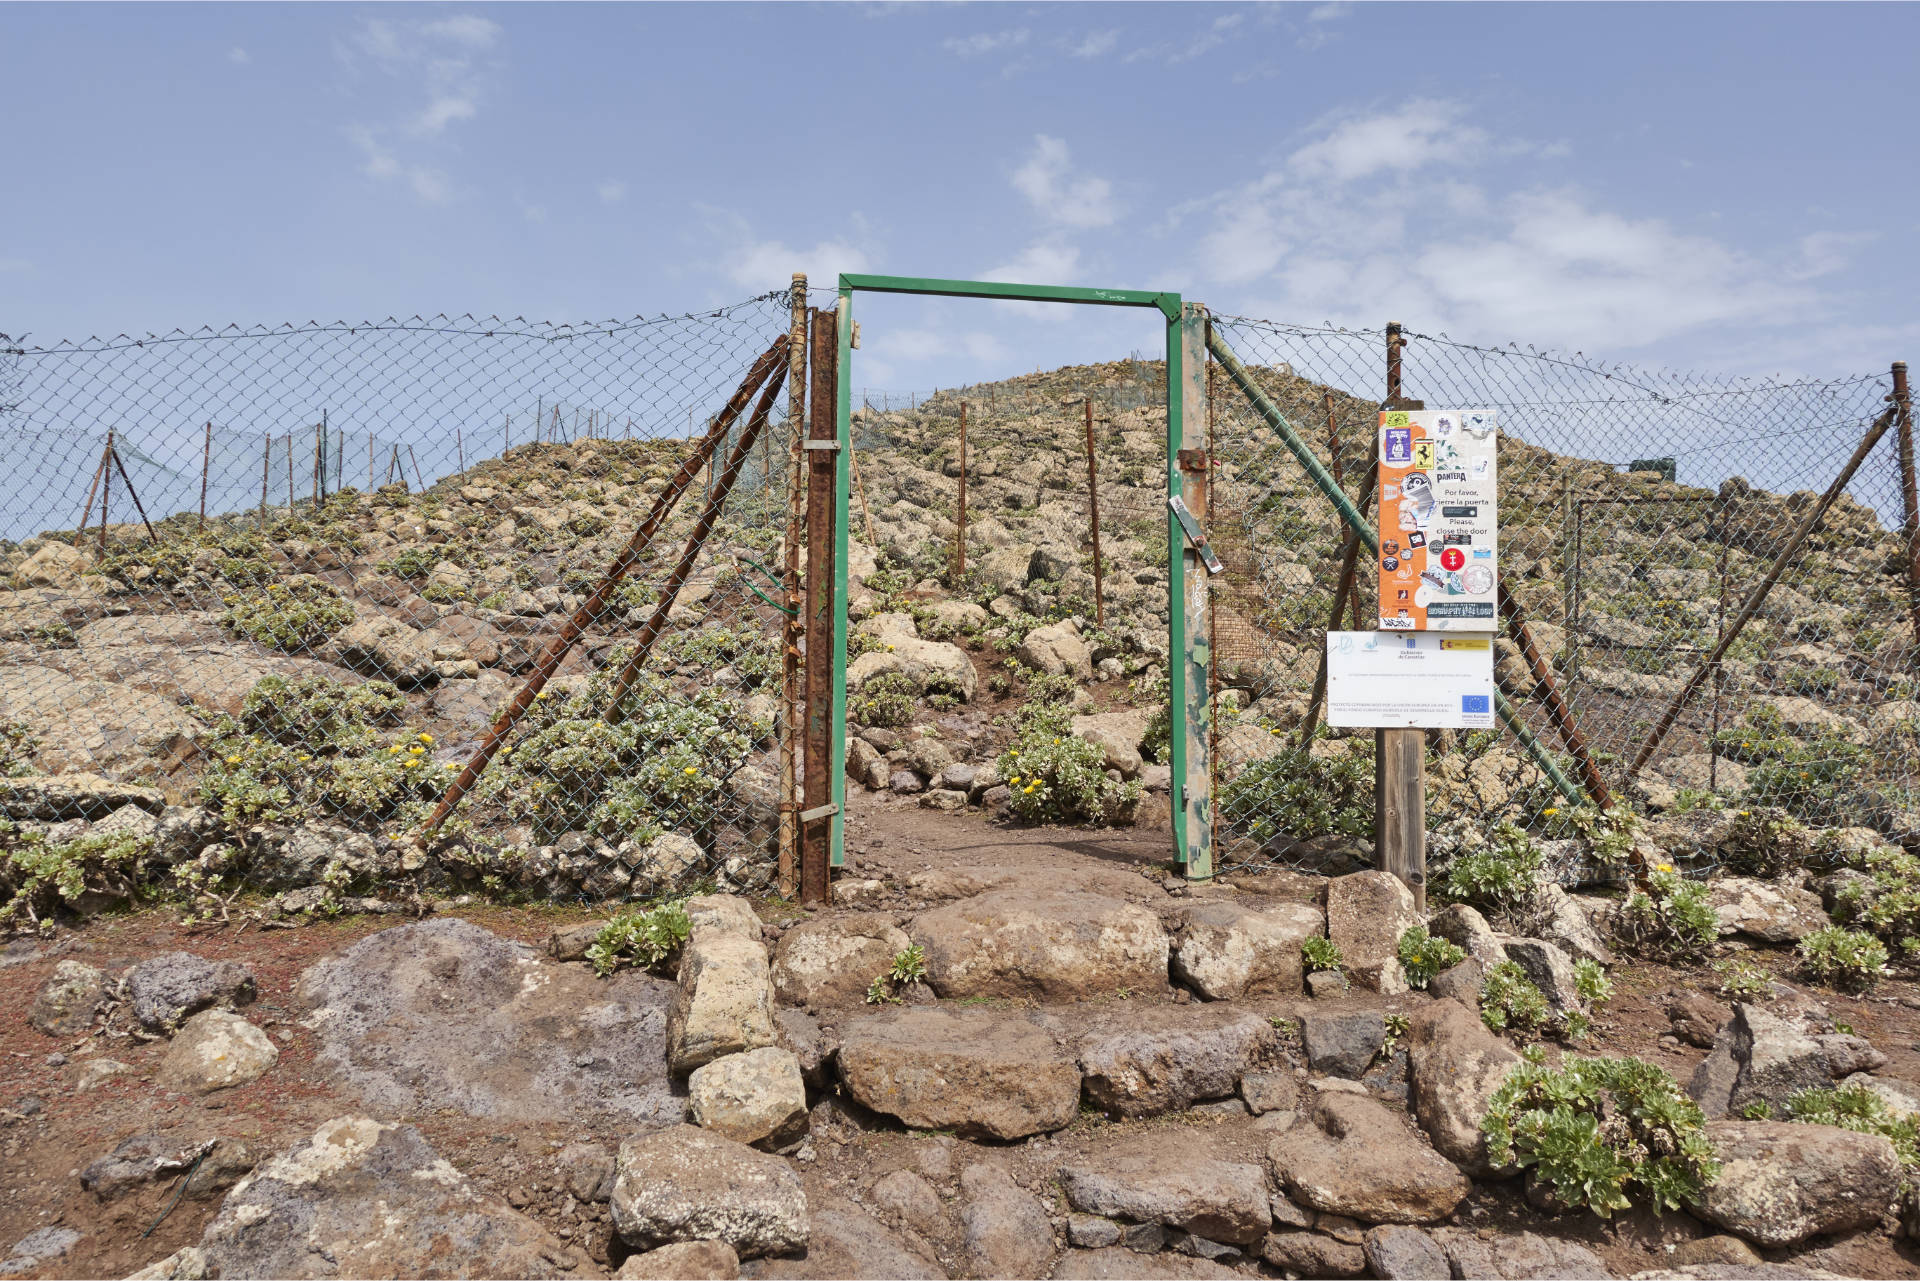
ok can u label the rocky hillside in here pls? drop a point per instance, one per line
(290, 691)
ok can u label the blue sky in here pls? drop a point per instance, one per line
(1725, 186)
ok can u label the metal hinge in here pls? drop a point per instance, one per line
(1195, 534)
(830, 446)
(820, 811)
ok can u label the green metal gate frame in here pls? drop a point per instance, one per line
(1187, 679)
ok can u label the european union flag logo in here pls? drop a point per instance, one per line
(1474, 705)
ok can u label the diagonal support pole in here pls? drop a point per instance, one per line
(696, 541)
(591, 608)
(1758, 595)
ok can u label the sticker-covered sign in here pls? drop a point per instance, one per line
(1439, 533)
(1376, 680)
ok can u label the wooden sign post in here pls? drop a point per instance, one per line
(1400, 755)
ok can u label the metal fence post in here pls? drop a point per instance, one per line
(1188, 385)
(816, 827)
(1093, 507)
(1909, 495)
(792, 715)
(960, 516)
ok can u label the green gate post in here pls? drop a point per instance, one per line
(1188, 597)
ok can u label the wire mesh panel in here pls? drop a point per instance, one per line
(1639, 511)
(286, 579)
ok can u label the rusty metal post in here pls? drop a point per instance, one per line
(132, 493)
(1909, 494)
(590, 609)
(791, 625)
(266, 475)
(1333, 438)
(816, 832)
(416, 469)
(960, 518)
(1093, 507)
(460, 444)
(106, 488)
(206, 462)
(697, 540)
(93, 490)
(1558, 711)
(1759, 594)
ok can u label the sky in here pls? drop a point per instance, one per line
(1719, 186)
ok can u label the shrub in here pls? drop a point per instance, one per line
(1850, 960)
(1058, 777)
(1743, 979)
(752, 652)
(1764, 842)
(1609, 834)
(18, 743)
(665, 767)
(909, 966)
(1857, 1108)
(1670, 918)
(886, 701)
(1298, 795)
(1590, 981)
(1888, 903)
(38, 877)
(1422, 955)
(642, 937)
(315, 748)
(412, 562)
(1502, 878)
(292, 616)
(1593, 1131)
(1320, 953)
(1509, 1002)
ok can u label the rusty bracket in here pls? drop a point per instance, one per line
(1195, 534)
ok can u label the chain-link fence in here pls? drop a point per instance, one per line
(1639, 511)
(287, 579)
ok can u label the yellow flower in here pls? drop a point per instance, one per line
(451, 765)
(305, 757)
(416, 749)
(1551, 810)
(233, 760)
(426, 738)
(690, 770)
(1014, 780)
(411, 764)
(394, 750)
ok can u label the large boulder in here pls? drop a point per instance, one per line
(94, 725)
(363, 1198)
(756, 1097)
(724, 1003)
(845, 1241)
(53, 798)
(1056, 945)
(1763, 910)
(1006, 569)
(1352, 1156)
(1758, 1057)
(1784, 1181)
(1057, 650)
(1454, 1066)
(1519, 1256)
(1223, 950)
(1178, 1186)
(1548, 968)
(1466, 928)
(1004, 1230)
(1118, 735)
(979, 1073)
(1342, 1042)
(67, 1001)
(1182, 1057)
(389, 650)
(831, 960)
(54, 565)
(684, 1184)
(1367, 912)
(930, 665)
(683, 1261)
(169, 987)
(216, 1050)
(443, 1014)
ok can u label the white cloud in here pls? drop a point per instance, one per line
(1047, 263)
(1212, 37)
(770, 264)
(1322, 13)
(1412, 214)
(611, 192)
(1422, 133)
(985, 42)
(1048, 180)
(239, 57)
(445, 66)
(916, 345)
(1095, 44)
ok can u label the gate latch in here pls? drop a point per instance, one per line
(1195, 534)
